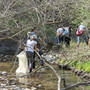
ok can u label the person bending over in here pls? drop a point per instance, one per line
(82, 31)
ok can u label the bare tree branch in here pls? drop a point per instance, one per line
(75, 85)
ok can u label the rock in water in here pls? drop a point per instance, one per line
(43, 69)
(4, 73)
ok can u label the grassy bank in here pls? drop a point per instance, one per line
(78, 57)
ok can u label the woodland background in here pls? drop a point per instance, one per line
(19, 16)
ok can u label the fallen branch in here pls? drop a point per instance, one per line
(75, 85)
(58, 76)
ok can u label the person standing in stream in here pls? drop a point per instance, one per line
(30, 46)
(39, 42)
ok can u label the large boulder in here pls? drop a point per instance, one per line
(8, 47)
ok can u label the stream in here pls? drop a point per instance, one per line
(43, 79)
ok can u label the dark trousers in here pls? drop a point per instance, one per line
(67, 41)
(34, 61)
(60, 39)
(30, 59)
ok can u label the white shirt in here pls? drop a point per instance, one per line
(30, 45)
(82, 27)
(59, 31)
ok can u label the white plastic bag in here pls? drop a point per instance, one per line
(23, 64)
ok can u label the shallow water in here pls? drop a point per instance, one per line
(42, 80)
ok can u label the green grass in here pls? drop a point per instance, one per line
(78, 57)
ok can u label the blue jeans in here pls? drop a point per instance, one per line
(84, 36)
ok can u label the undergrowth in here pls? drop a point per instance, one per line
(78, 57)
